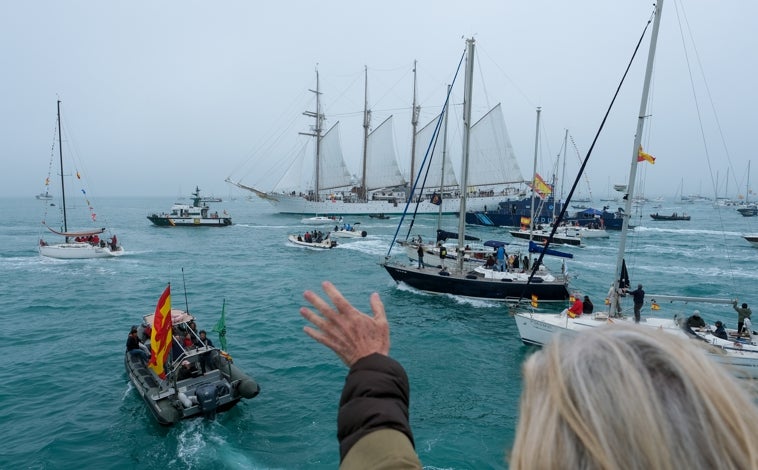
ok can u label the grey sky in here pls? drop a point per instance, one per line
(161, 96)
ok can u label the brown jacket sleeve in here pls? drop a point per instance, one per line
(375, 396)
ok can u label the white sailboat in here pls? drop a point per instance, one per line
(494, 173)
(539, 328)
(80, 244)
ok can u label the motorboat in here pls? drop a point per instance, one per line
(197, 214)
(216, 383)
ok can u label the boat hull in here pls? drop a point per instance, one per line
(165, 401)
(78, 251)
(325, 244)
(541, 237)
(163, 221)
(286, 204)
(430, 280)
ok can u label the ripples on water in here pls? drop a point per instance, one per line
(67, 402)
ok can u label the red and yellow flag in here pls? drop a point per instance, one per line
(535, 301)
(645, 157)
(542, 188)
(161, 336)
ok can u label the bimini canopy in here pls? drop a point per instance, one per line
(177, 317)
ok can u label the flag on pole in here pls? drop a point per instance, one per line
(161, 336)
(535, 301)
(542, 188)
(645, 157)
(220, 327)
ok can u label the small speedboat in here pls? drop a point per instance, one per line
(215, 384)
(321, 220)
(323, 244)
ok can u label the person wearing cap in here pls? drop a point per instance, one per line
(742, 313)
(720, 331)
(639, 299)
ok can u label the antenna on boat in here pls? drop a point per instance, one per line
(184, 285)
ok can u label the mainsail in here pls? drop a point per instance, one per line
(382, 170)
(492, 160)
(436, 162)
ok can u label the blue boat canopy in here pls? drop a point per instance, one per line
(591, 211)
(495, 243)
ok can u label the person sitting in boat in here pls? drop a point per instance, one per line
(720, 331)
(576, 308)
(526, 263)
(490, 262)
(187, 370)
(187, 342)
(695, 320)
(135, 347)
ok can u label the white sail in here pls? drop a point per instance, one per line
(333, 171)
(434, 161)
(492, 160)
(382, 170)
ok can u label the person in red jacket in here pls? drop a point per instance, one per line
(576, 308)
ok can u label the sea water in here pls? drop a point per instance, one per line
(67, 401)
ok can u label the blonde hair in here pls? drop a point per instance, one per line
(630, 397)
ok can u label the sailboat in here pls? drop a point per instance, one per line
(539, 328)
(80, 244)
(476, 280)
(748, 209)
(494, 177)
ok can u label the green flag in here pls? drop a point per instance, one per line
(221, 327)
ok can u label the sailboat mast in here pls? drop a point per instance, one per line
(317, 134)
(635, 152)
(442, 167)
(467, 96)
(534, 174)
(414, 125)
(563, 174)
(366, 124)
(63, 185)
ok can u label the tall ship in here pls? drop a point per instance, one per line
(381, 188)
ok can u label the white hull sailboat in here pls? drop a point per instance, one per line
(81, 244)
(539, 328)
(494, 173)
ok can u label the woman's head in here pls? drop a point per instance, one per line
(632, 397)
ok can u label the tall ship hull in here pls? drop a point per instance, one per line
(511, 213)
(286, 204)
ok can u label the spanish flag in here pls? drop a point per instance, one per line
(535, 301)
(542, 188)
(161, 336)
(642, 156)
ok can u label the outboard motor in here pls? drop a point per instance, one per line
(207, 398)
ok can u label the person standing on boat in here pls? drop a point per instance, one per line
(639, 299)
(420, 252)
(443, 254)
(501, 258)
(743, 313)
